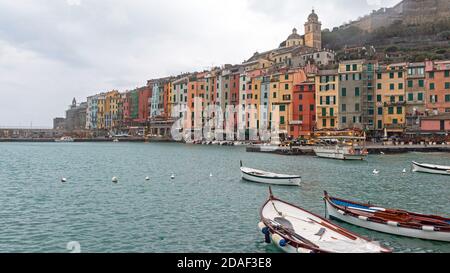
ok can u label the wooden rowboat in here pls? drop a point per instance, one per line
(295, 230)
(430, 168)
(265, 177)
(393, 221)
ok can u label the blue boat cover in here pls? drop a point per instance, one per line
(348, 204)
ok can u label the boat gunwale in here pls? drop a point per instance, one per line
(428, 166)
(327, 198)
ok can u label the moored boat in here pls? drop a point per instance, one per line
(343, 145)
(265, 177)
(393, 221)
(339, 152)
(64, 139)
(430, 168)
(295, 230)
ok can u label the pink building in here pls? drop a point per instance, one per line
(438, 123)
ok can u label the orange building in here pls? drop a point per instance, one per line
(438, 87)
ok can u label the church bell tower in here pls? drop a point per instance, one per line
(313, 31)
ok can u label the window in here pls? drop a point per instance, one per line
(344, 119)
(391, 110)
(356, 91)
(324, 122)
(400, 86)
(324, 112)
(447, 73)
(282, 108)
(447, 98)
(395, 121)
(300, 108)
(286, 97)
(355, 67)
(332, 122)
(347, 67)
(378, 98)
(286, 86)
(344, 92)
(432, 86)
(344, 107)
(401, 98)
(331, 112)
(357, 107)
(410, 83)
(392, 86)
(410, 96)
(447, 85)
(286, 77)
(421, 83)
(274, 95)
(380, 111)
(300, 97)
(431, 75)
(379, 76)
(379, 124)
(369, 97)
(392, 98)
(379, 86)
(400, 74)
(311, 107)
(399, 110)
(391, 75)
(420, 97)
(327, 100)
(281, 120)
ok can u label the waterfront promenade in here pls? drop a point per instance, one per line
(372, 149)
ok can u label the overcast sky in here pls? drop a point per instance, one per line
(54, 50)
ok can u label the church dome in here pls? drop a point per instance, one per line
(294, 35)
(313, 17)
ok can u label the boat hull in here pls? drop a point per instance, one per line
(425, 169)
(334, 213)
(336, 153)
(274, 181)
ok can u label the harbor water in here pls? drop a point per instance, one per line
(194, 212)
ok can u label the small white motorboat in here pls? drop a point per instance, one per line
(430, 168)
(265, 177)
(64, 139)
(295, 230)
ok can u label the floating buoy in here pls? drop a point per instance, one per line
(114, 179)
(210, 175)
(404, 170)
(63, 179)
(172, 176)
(147, 178)
(376, 171)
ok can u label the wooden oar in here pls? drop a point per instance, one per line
(293, 234)
(338, 230)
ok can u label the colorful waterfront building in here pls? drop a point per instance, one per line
(438, 87)
(91, 112)
(391, 104)
(304, 109)
(350, 94)
(415, 91)
(112, 101)
(134, 105)
(101, 103)
(327, 102)
(144, 95)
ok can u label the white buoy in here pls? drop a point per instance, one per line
(147, 178)
(210, 175)
(376, 172)
(404, 170)
(114, 179)
(172, 176)
(63, 179)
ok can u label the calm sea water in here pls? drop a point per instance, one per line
(194, 212)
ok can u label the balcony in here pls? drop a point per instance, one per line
(398, 103)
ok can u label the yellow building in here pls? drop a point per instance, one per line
(101, 103)
(112, 109)
(390, 98)
(327, 110)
